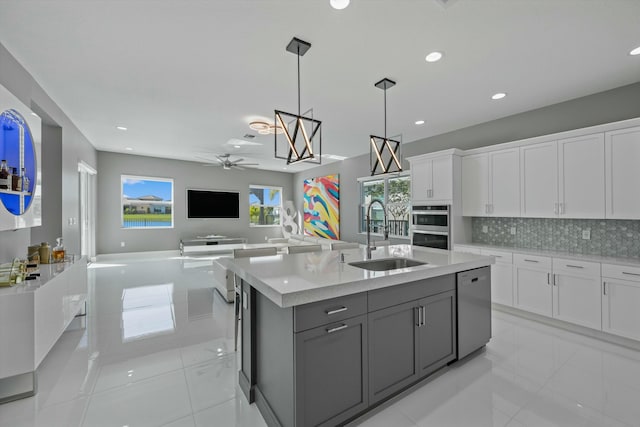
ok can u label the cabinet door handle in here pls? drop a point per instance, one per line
(604, 288)
(337, 328)
(337, 310)
(423, 310)
(554, 280)
(574, 266)
(531, 260)
(630, 274)
(555, 208)
(417, 312)
(549, 279)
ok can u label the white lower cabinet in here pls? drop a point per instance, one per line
(532, 283)
(621, 300)
(576, 292)
(501, 276)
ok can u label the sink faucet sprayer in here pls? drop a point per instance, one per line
(386, 229)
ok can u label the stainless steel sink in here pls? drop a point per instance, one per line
(387, 264)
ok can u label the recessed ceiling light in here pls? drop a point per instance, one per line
(236, 146)
(128, 148)
(498, 95)
(635, 51)
(420, 122)
(433, 57)
(339, 4)
(121, 128)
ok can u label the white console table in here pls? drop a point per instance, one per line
(33, 316)
(209, 244)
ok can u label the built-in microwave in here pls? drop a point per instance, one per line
(430, 226)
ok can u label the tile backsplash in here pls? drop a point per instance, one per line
(608, 237)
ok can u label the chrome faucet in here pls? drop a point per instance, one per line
(368, 219)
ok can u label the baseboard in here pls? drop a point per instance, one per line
(246, 387)
(265, 409)
(582, 330)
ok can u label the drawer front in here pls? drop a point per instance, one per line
(467, 249)
(322, 312)
(534, 262)
(394, 295)
(574, 267)
(501, 256)
(621, 272)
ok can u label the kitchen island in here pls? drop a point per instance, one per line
(323, 340)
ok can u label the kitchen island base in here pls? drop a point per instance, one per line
(328, 362)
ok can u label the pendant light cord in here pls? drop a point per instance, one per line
(385, 113)
(298, 79)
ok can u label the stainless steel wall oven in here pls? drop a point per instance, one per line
(430, 226)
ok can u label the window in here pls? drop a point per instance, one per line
(394, 193)
(146, 202)
(265, 206)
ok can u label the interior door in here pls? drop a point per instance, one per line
(86, 176)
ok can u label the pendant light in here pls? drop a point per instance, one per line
(384, 153)
(301, 136)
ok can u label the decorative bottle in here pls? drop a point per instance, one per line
(16, 180)
(25, 181)
(58, 251)
(5, 180)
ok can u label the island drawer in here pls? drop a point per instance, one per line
(333, 310)
(394, 295)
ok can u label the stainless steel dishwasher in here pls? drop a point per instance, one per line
(474, 310)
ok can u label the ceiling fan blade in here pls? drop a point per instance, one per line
(238, 160)
(247, 164)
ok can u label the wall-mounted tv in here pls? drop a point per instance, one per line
(213, 204)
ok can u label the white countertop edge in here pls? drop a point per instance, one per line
(307, 296)
(629, 262)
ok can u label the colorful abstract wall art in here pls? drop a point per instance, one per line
(322, 207)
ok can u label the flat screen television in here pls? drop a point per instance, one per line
(213, 204)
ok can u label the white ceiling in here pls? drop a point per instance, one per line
(186, 76)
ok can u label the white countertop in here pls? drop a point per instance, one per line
(295, 279)
(631, 262)
(47, 272)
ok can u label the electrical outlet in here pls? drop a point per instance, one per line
(513, 230)
(485, 229)
(122, 244)
(586, 234)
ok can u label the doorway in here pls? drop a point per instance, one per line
(87, 178)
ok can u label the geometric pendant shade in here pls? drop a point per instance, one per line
(385, 154)
(301, 139)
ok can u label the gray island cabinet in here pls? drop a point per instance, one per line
(325, 362)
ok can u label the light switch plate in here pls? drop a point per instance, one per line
(485, 229)
(586, 234)
(513, 230)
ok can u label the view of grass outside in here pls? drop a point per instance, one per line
(147, 202)
(265, 205)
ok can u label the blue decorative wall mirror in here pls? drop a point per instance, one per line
(17, 163)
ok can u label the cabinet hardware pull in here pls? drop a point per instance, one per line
(561, 208)
(555, 208)
(574, 266)
(337, 310)
(423, 310)
(498, 256)
(531, 260)
(417, 311)
(604, 288)
(554, 280)
(337, 328)
(548, 278)
(630, 274)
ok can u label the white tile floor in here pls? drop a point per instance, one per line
(158, 351)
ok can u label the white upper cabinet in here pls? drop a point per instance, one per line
(581, 177)
(432, 179)
(622, 157)
(475, 185)
(504, 183)
(491, 184)
(539, 180)
(563, 179)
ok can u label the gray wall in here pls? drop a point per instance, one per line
(617, 104)
(74, 147)
(52, 177)
(109, 233)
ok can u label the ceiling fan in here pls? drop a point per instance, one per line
(226, 163)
